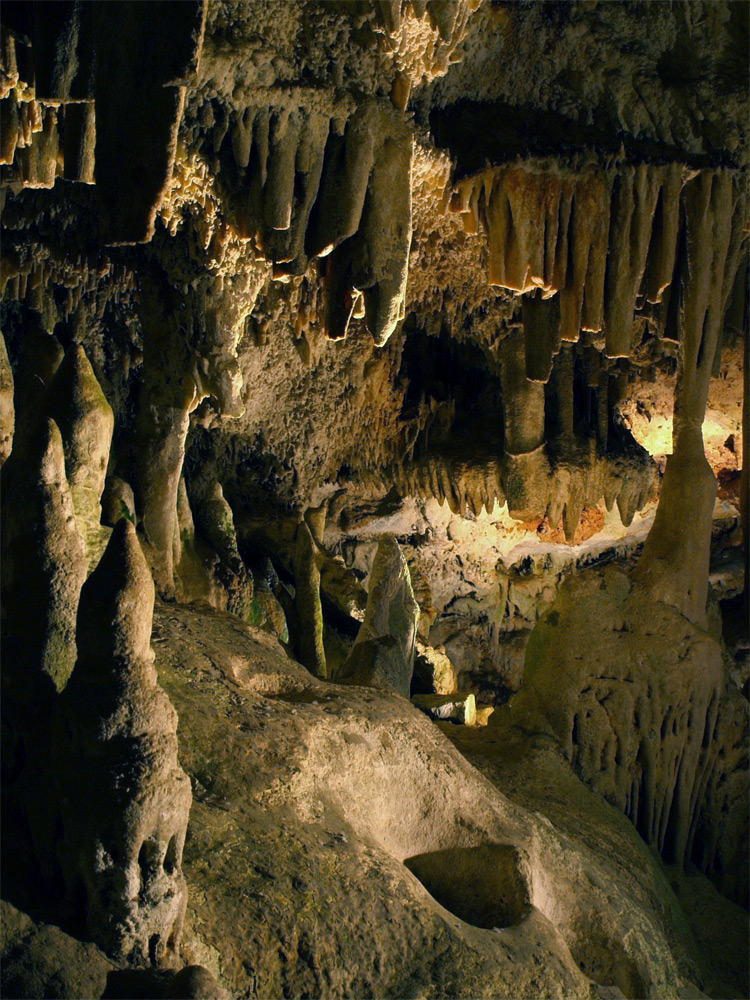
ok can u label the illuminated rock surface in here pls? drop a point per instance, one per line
(397, 349)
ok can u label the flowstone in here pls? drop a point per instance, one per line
(120, 850)
(632, 691)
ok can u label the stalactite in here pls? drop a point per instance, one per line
(674, 565)
(523, 400)
(542, 339)
(343, 186)
(633, 206)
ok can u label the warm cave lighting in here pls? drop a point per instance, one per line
(374, 525)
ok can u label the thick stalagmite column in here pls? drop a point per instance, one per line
(675, 560)
(120, 846)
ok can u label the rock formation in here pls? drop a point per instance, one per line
(77, 404)
(383, 651)
(120, 852)
(7, 413)
(406, 342)
(43, 564)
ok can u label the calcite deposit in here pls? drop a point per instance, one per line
(120, 853)
(390, 359)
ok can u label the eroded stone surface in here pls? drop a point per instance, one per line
(315, 796)
(120, 855)
(633, 692)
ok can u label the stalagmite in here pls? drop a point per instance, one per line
(77, 404)
(674, 565)
(638, 728)
(43, 563)
(307, 599)
(217, 524)
(383, 651)
(642, 728)
(120, 850)
(117, 501)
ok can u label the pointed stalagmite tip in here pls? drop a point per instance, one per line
(116, 607)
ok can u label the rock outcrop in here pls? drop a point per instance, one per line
(120, 851)
(43, 564)
(384, 649)
(633, 692)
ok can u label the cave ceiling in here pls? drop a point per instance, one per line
(320, 186)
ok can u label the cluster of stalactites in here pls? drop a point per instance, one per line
(532, 487)
(309, 188)
(424, 36)
(31, 148)
(70, 107)
(603, 241)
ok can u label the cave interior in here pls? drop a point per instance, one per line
(373, 394)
